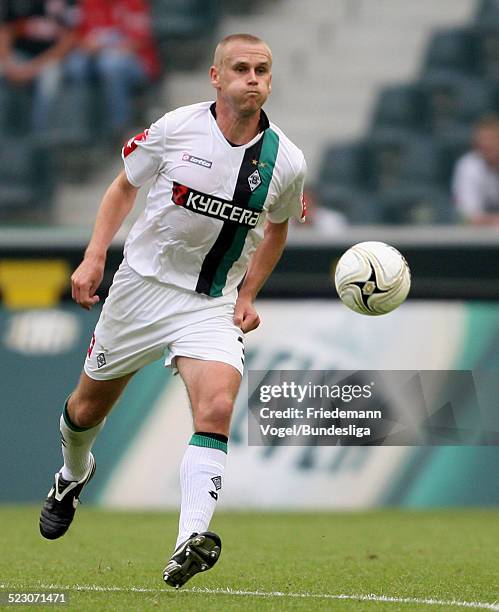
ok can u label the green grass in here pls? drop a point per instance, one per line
(443, 555)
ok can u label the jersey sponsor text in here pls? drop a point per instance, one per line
(213, 207)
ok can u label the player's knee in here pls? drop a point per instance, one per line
(84, 412)
(215, 411)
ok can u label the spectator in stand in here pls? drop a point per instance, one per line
(475, 184)
(35, 35)
(116, 46)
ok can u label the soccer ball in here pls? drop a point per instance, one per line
(372, 278)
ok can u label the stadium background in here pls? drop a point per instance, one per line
(352, 78)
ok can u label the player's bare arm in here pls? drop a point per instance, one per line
(115, 206)
(262, 263)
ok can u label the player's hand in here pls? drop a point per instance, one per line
(245, 315)
(84, 282)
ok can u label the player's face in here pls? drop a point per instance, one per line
(244, 76)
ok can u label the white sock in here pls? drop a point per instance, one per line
(201, 476)
(76, 446)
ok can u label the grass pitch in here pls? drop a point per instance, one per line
(270, 561)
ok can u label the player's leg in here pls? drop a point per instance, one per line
(126, 338)
(82, 419)
(212, 388)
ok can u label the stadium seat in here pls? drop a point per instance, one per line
(241, 7)
(400, 156)
(183, 28)
(17, 106)
(398, 106)
(487, 11)
(342, 180)
(451, 146)
(26, 177)
(453, 50)
(184, 18)
(72, 121)
(356, 205)
(3, 110)
(416, 205)
(487, 37)
(452, 100)
(344, 165)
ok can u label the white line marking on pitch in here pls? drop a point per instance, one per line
(228, 591)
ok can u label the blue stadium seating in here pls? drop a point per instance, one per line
(415, 204)
(454, 50)
(452, 100)
(26, 177)
(397, 157)
(398, 106)
(184, 29)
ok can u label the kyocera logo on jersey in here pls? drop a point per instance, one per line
(199, 161)
(209, 206)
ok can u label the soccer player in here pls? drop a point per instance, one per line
(225, 183)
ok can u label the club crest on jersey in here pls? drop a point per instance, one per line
(211, 206)
(254, 180)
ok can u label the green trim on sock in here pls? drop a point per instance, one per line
(198, 440)
(68, 421)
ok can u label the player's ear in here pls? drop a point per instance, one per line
(270, 83)
(214, 77)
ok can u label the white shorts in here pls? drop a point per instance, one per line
(142, 319)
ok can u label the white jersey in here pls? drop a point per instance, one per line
(206, 210)
(475, 186)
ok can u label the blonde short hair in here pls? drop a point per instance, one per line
(248, 38)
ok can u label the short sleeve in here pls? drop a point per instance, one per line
(143, 154)
(291, 203)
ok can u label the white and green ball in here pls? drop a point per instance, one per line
(372, 278)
